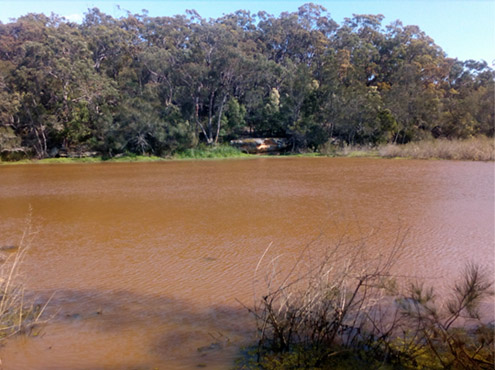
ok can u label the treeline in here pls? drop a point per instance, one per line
(156, 85)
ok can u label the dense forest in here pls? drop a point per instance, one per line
(156, 85)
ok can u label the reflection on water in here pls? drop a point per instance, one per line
(148, 261)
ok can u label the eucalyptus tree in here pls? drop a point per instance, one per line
(20, 40)
(53, 80)
(414, 71)
(213, 69)
(468, 104)
(146, 84)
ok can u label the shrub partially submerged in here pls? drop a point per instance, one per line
(346, 311)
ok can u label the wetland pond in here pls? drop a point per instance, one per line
(148, 263)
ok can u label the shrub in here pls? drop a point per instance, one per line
(347, 311)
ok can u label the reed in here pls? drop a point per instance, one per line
(17, 314)
(474, 149)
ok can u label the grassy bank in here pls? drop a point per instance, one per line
(98, 159)
(201, 152)
(213, 152)
(474, 149)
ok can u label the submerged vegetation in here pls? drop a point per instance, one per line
(162, 86)
(347, 311)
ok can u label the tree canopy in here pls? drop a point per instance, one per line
(155, 85)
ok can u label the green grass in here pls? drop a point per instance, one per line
(204, 152)
(134, 158)
(99, 159)
(66, 160)
(201, 152)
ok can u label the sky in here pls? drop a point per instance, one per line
(464, 29)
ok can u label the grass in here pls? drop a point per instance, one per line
(134, 158)
(206, 152)
(474, 149)
(332, 150)
(201, 152)
(17, 314)
(99, 159)
(53, 161)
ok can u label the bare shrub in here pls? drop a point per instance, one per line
(348, 307)
(434, 333)
(326, 305)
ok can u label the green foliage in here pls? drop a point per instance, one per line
(157, 85)
(235, 119)
(8, 139)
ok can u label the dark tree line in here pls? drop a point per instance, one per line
(143, 84)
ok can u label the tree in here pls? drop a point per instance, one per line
(148, 85)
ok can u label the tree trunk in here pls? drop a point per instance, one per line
(196, 116)
(209, 138)
(41, 137)
(219, 121)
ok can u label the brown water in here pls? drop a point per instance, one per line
(148, 262)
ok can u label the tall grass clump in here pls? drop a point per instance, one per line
(347, 150)
(474, 149)
(17, 314)
(208, 152)
(347, 311)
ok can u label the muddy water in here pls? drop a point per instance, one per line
(148, 262)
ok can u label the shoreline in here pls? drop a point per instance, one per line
(145, 159)
(480, 149)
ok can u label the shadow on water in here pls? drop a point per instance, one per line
(174, 329)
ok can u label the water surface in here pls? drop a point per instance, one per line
(149, 261)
